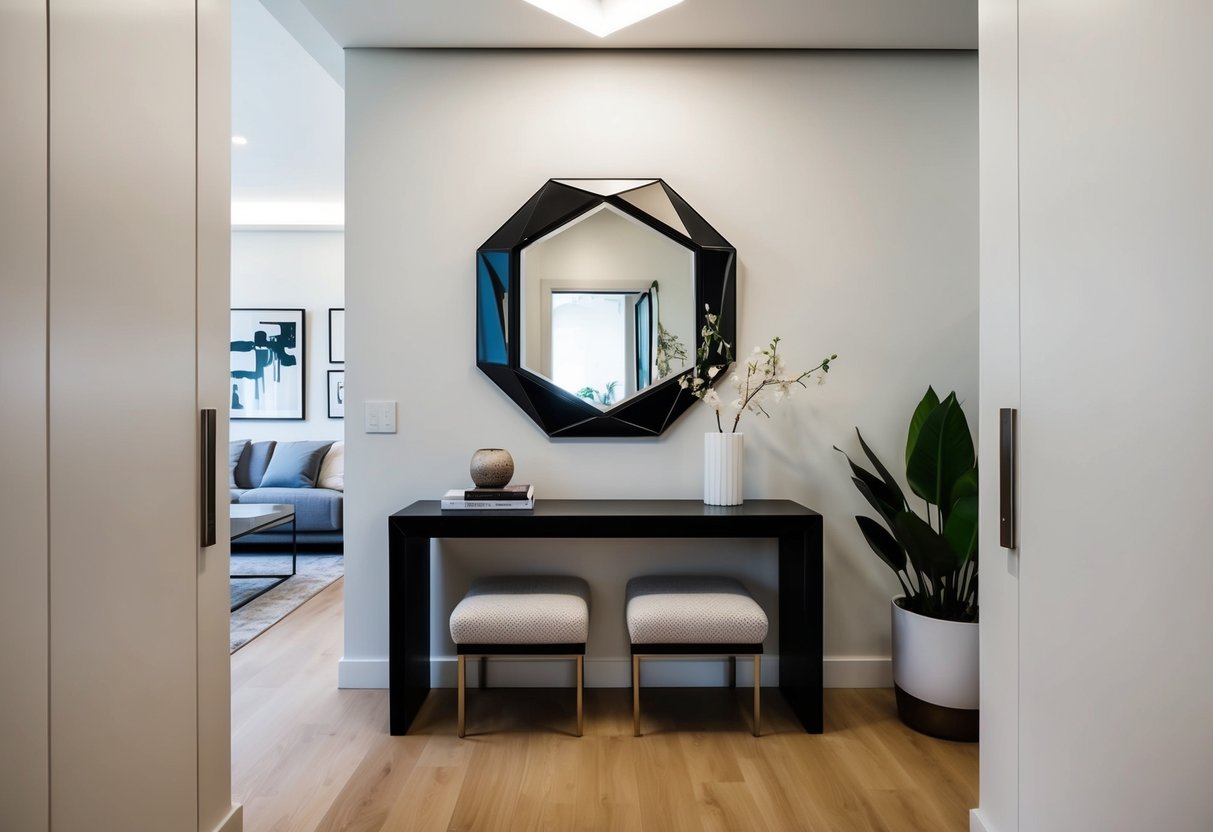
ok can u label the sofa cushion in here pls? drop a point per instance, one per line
(316, 509)
(294, 465)
(235, 493)
(332, 470)
(235, 450)
(251, 466)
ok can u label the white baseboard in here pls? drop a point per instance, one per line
(976, 824)
(234, 822)
(839, 672)
(362, 673)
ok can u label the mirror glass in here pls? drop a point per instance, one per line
(608, 307)
(590, 299)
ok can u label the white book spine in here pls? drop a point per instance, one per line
(488, 504)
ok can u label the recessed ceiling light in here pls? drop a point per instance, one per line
(239, 140)
(602, 17)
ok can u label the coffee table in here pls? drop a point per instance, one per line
(250, 519)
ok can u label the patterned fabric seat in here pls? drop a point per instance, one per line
(693, 609)
(522, 616)
(523, 610)
(694, 614)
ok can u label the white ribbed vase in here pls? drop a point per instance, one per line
(722, 461)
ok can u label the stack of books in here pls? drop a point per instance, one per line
(511, 497)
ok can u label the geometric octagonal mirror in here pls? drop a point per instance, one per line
(590, 301)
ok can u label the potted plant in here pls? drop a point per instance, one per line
(763, 380)
(935, 642)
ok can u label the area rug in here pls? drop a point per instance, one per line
(314, 573)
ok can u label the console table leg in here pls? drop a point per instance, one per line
(408, 627)
(801, 620)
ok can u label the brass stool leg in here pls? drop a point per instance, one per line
(732, 671)
(757, 695)
(482, 679)
(580, 696)
(635, 696)
(462, 693)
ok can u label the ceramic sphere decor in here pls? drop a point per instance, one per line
(492, 468)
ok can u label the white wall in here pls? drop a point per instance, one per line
(848, 184)
(292, 270)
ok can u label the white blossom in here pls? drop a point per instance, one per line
(713, 371)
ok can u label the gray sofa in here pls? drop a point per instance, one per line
(318, 511)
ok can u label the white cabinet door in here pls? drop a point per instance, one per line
(123, 462)
(24, 726)
(1116, 571)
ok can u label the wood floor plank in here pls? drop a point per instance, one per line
(308, 757)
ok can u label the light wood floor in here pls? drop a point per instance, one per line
(307, 756)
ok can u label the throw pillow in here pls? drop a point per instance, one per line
(332, 470)
(294, 465)
(235, 450)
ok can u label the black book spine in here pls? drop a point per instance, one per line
(494, 494)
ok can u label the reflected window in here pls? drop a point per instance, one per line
(593, 344)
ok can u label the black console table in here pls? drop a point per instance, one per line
(798, 530)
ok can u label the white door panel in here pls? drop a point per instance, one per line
(1116, 190)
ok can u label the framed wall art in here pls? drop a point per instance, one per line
(268, 369)
(336, 394)
(336, 336)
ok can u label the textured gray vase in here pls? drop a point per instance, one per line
(492, 468)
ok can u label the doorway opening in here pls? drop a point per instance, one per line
(287, 357)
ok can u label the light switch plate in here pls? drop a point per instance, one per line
(380, 417)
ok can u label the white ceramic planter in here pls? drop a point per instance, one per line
(722, 468)
(936, 673)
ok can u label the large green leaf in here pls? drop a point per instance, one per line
(885, 510)
(944, 451)
(924, 546)
(884, 499)
(965, 485)
(883, 544)
(961, 529)
(929, 402)
(881, 469)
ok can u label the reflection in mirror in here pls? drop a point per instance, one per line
(608, 306)
(589, 304)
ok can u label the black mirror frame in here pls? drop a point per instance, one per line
(498, 311)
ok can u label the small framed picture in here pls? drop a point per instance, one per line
(336, 336)
(267, 364)
(336, 394)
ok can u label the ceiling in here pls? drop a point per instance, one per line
(759, 24)
(288, 68)
(291, 111)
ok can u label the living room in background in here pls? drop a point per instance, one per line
(286, 461)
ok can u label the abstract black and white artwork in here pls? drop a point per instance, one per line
(267, 364)
(336, 336)
(336, 394)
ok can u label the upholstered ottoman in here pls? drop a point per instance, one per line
(694, 615)
(522, 616)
